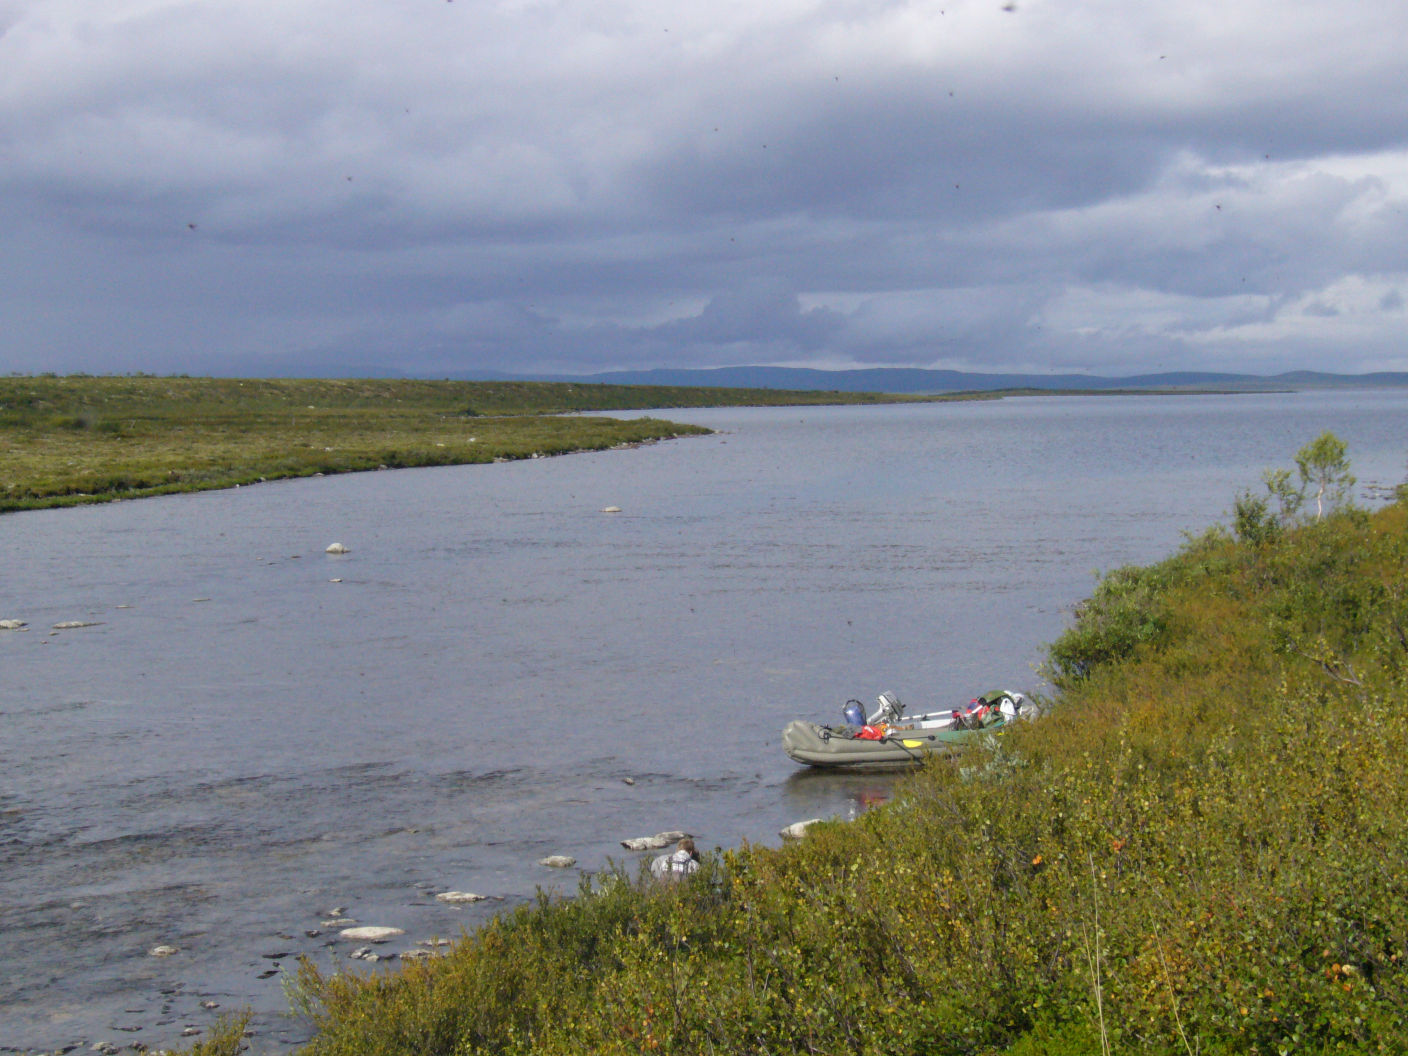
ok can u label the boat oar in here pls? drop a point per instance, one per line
(901, 742)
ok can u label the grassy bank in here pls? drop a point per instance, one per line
(1203, 848)
(72, 440)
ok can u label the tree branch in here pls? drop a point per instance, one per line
(1330, 669)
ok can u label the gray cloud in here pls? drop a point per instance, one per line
(429, 187)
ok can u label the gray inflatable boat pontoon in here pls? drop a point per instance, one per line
(889, 737)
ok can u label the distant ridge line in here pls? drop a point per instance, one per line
(919, 380)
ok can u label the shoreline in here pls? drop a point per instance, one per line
(83, 440)
(86, 439)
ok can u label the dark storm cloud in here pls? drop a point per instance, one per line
(535, 185)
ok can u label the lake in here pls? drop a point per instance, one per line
(252, 733)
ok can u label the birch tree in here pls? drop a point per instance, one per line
(1324, 467)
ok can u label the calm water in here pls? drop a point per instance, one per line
(254, 733)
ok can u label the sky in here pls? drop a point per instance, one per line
(437, 188)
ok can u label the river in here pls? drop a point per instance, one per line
(251, 733)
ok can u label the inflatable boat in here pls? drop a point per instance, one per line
(888, 736)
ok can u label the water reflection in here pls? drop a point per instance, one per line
(840, 793)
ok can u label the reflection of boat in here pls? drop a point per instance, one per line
(889, 736)
(838, 792)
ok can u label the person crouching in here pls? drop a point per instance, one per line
(678, 864)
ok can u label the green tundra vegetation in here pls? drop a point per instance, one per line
(68, 440)
(1201, 849)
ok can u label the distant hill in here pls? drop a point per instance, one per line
(913, 380)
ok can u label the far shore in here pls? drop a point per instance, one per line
(82, 439)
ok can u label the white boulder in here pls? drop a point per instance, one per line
(653, 843)
(370, 934)
(459, 897)
(557, 861)
(12, 625)
(336, 548)
(798, 829)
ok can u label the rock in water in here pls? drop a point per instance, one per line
(797, 829)
(12, 625)
(459, 897)
(370, 934)
(336, 548)
(654, 843)
(558, 861)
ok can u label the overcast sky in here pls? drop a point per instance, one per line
(435, 187)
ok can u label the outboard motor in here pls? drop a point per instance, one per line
(890, 709)
(854, 713)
